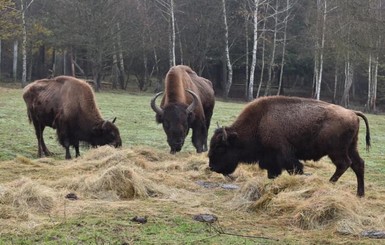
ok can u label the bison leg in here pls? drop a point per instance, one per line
(199, 137)
(66, 145)
(294, 166)
(358, 166)
(272, 163)
(76, 146)
(342, 162)
(42, 148)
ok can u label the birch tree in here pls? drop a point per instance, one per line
(24, 7)
(262, 59)
(320, 51)
(254, 51)
(227, 52)
(272, 58)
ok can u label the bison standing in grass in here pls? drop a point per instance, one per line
(279, 131)
(188, 102)
(68, 105)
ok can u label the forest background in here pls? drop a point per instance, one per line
(328, 50)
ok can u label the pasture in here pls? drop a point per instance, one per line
(111, 186)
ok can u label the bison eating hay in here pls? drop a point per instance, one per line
(279, 131)
(188, 102)
(68, 105)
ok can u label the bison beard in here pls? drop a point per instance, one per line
(67, 105)
(278, 132)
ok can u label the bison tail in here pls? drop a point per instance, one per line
(360, 114)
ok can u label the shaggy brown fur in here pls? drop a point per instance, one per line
(183, 87)
(68, 105)
(279, 131)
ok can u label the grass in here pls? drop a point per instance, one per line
(142, 179)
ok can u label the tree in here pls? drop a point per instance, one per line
(254, 51)
(23, 8)
(227, 53)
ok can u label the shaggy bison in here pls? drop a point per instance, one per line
(188, 102)
(68, 105)
(279, 131)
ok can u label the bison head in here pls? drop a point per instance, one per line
(224, 151)
(176, 119)
(106, 133)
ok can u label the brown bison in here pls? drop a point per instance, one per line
(188, 102)
(279, 131)
(68, 105)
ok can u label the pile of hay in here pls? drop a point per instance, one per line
(309, 203)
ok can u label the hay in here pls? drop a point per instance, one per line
(156, 182)
(117, 182)
(26, 194)
(326, 208)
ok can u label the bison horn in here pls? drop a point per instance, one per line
(113, 120)
(193, 105)
(154, 107)
(104, 123)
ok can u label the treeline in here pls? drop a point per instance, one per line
(330, 50)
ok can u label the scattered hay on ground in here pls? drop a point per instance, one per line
(133, 176)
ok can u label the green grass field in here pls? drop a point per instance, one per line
(97, 221)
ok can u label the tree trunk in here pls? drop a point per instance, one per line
(370, 83)
(335, 81)
(262, 59)
(247, 57)
(283, 48)
(15, 54)
(172, 34)
(229, 80)
(24, 45)
(254, 52)
(271, 65)
(348, 82)
(122, 72)
(318, 82)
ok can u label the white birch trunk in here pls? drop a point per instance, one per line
(254, 52)
(375, 80)
(262, 59)
(172, 58)
(335, 81)
(318, 82)
(227, 52)
(348, 81)
(24, 45)
(283, 48)
(271, 65)
(247, 58)
(15, 54)
(369, 101)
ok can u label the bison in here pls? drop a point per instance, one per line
(188, 102)
(68, 105)
(279, 131)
